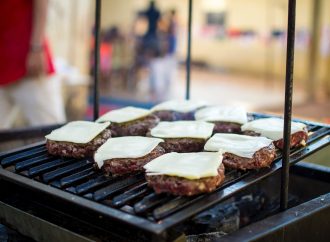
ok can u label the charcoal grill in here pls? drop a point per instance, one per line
(75, 189)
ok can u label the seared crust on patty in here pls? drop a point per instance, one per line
(185, 187)
(75, 150)
(262, 158)
(183, 145)
(138, 127)
(297, 139)
(121, 166)
(167, 115)
(226, 127)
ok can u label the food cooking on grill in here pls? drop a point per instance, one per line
(272, 128)
(129, 121)
(185, 174)
(242, 151)
(183, 136)
(226, 119)
(77, 139)
(175, 110)
(125, 155)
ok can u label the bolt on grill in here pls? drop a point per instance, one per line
(129, 199)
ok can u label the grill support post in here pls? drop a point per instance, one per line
(96, 59)
(188, 59)
(288, 104)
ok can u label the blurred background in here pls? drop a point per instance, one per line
(238, 54)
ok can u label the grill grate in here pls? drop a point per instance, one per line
(70, 178)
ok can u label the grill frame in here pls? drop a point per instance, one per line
(198, 204)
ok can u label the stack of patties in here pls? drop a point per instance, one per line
(242, 151)
(272, 128)
(226, 119)
(185, 174)
(129, 121)
(175, 110)
(126, 155)
(78, 139)
(183, 136)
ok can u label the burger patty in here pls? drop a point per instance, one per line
(183, 145)
(121, 166)
(226, 127)
(138, 127)
(167, 115)
(262, 158)
(297, 139)
(75, 150)
(185, 187)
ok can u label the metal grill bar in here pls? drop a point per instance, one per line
(288, 104)
(188, 60)
(96, 100)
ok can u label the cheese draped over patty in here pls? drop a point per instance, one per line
(123, 115)
(187, 165)
(240, 145)
(222, 113)
(125, 147)
(182, 106)
(80, 132)
(272, 128)
(183, 129)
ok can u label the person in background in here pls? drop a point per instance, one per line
(26, 66)
(172, 32)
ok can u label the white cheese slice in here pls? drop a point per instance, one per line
(241, 145)
(272, 128)
(222, 113)
(123, 115)
(186, 165)
(80, 132)
(125, 147)
(182, 106)
(183, 129)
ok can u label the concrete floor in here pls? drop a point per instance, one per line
(255, 94)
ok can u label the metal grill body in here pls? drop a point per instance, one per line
(129, 200)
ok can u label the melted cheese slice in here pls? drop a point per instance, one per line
(123, 115)
(183, 129)
(182, 106)
(125, 147)
(272, 128)
(187, 165)
(241, 145)
(222, 113)
(80, 132)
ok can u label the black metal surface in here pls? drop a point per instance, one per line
(288, 103)
(128, 199)
(188, 60)
(306, 222)
(96, 100)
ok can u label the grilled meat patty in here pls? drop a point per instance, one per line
(185, 187)
(167, 115)
(139, 127)
(297, 139)
(262, 158)
(226, 127)
(75, 150)
(183, 145)
(121, 166)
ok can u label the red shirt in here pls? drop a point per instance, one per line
(15, 34)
